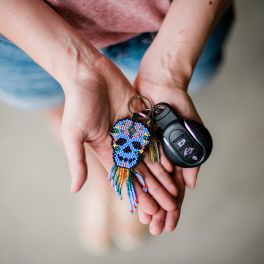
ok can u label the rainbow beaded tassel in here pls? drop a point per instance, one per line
(117, 176)
(132, 197)
(130, 138)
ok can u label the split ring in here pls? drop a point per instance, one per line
(144, 99)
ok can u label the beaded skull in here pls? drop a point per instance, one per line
(129, 141)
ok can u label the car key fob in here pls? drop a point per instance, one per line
(186, 143)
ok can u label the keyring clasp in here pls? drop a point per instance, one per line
(145, 100)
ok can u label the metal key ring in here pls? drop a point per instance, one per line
(143, 99)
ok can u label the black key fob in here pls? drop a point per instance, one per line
(186, 143)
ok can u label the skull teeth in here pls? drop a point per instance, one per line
(125, 159)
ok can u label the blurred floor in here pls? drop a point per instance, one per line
(222, 220)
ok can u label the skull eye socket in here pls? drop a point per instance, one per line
(121, 141)
(136, 145)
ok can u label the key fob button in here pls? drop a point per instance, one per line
(194, 157)
(181, 142)
(175, 134)
(188, 150)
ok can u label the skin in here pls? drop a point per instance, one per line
(164, 74)
(95, 89)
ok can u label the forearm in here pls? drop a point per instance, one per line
(182, 37)
(45, 36)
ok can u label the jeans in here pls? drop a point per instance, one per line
(24, 84)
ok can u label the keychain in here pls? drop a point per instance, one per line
(186, 143)
(146, 118)
(130, 138)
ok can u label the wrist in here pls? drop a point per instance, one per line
(77, 63)
(167, 68)
(175, 50)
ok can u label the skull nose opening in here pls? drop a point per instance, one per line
(127, 149)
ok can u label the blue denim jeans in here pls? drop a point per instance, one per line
(24, 84)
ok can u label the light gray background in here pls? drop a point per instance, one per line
(222, 220)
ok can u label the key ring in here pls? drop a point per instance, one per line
(143, 99)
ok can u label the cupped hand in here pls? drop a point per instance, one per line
(93, 103)
(162, 91)
(165, 220)
(183, 105)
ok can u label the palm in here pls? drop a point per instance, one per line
(182, 103)
(92, 106)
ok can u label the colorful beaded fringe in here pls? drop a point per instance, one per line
(130, 139)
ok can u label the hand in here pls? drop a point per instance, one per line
(95, 100)
(166, 220)
(180, 101)
(158, 89)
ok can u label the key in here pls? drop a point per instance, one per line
(186, 143)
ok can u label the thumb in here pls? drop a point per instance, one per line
(190, 176)
(75, 152)
(104, 151)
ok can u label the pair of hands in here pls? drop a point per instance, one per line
(97, 99)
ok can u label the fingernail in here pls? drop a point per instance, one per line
(170, 228)
(73, 186)
(152, 230)
(174, 191)
(191, 181)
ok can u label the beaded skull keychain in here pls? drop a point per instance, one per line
(130, 138)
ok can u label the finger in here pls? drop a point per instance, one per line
(157, 223)
(162, 176)
(172, 218)
(157, 191)
(178, 177)
(190, 176)
(145, 201)
(143, 217)
(103, 151)
(76, 159)
(171, 221)
(164, 161)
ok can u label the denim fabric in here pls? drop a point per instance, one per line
(24, 84)
(212, 54)
(127, 55)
